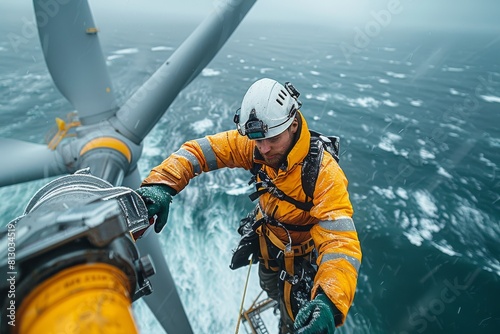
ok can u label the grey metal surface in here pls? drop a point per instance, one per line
(164, 302)
(23, 161)
(74, 57)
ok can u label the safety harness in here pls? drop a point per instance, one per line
(291, 270)
(310, 170)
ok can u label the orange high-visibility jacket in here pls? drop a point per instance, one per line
(333, 230)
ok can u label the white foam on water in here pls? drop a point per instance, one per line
(456, 92)
(426, 155)
(402, 193)
(323, 97)
(209, 72)
(202, 126)
(494, 142)
(387, 142)
(113, 57)
(362, 87)
(487, 162)
(127, 51)
(365, 102)
(265, 70)
(444, 247)
(452, 127)
(161, 48)
(491, 98)
(390, 103)
(396, 75)
(426, 203)
(416, 103)
(453, 69)
(387, 192)
(441, 171)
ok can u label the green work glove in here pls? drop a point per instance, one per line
(316, 317)
(157, 198)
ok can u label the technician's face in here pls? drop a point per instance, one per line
(274, 149)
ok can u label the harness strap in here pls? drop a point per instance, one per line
(267, 185)
(289, 269)
(263, 247)
(287, 275)
(298, 250)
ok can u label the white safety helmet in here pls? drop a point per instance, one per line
(268, 108)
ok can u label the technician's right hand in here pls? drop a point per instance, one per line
(157, 198)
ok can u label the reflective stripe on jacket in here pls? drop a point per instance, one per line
(334, 233)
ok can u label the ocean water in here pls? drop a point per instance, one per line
(417, 112)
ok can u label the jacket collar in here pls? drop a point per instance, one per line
(301, 148)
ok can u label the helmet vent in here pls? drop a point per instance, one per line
(281, 97)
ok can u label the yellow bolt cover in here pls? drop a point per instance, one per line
(84, 299)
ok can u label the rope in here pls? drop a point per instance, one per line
(243, 298)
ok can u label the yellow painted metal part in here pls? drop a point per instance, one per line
(108, 142)
(84, 299)
(92, 31)
(62, 130)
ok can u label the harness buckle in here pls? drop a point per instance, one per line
(283, 275)
(280, 254)
(292, 279)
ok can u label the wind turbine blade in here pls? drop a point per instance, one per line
(132, 180)
(164, 302)
(22, 161)
(74, 57)
(143, 110)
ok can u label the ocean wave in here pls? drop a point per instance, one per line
(441, 171)
(127, 51)
(210, 72)
(396, 75)
(426, 203)
(416, 103)
(456, 92)
(162, 48)
(426, 155)
(202, 126)
(390, 103)
(387, 142)
(444, 247)
(453, 69)
(491, 98)
(113, 57)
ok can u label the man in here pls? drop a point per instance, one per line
(308, 249)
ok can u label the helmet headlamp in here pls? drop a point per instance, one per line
(254, 128)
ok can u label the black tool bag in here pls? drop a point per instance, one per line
(248, 245)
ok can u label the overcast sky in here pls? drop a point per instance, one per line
(444, 13)
(451, 14)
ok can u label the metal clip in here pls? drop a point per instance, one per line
(283, 275)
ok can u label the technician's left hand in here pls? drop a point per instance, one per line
(316, 317)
